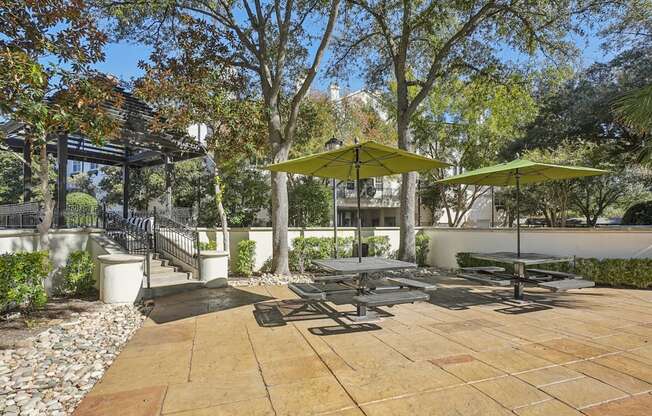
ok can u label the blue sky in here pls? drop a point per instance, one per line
(122, 61)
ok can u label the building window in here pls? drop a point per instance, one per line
(76, 166)
(390, 221)
(93, 166)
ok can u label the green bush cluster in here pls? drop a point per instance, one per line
(21, 280)
(306, 249)
(378, 246)
(422, 248)
(211, 245)
(245, 261)
(638, 214)
(609, 272)
(78, 276)
(79, 201)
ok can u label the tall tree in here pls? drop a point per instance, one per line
(421, 43)
(187, 88)
(267, 39)
(46, 49)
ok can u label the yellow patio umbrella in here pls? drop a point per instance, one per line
(517, 172)
(358, 161)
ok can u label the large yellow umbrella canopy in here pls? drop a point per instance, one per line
(358, 161)
(518, 172)
(374, 159)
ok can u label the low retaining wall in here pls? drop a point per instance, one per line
(445, 243)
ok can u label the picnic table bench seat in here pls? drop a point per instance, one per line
(484, 269)
(307, 291)
(492, 279)
(391, 298)
(566, 284)
(411, 284)
(553, 273)
(335, 278)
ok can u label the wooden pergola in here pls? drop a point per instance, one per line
(135, 146)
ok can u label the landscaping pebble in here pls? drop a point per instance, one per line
(50, 374)
(267, 279)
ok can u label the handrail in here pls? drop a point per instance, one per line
(177, 240)
(133, 239)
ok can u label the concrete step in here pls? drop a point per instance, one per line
(155, 270)
(169, 278)
(158, 262)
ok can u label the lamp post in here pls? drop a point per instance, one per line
(334, 144)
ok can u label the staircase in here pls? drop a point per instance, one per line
(166, 279)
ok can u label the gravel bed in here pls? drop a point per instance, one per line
(267, 279)
(56, 368)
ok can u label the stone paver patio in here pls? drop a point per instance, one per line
(464, 353)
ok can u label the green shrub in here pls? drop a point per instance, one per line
(638, 214)
(244, 263)
(78, 274)
(378, 246)
(211, 245)
(21, 280)
(306, 249)
(609, 272)
(80, 201)
(422, 248)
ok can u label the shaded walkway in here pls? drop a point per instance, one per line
(209, 352)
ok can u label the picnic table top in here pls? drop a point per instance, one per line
(368, 265)
(524, 258)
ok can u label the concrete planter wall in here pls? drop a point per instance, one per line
(121, 277)
(214, 268)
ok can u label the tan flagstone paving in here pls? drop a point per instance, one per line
(464, 353)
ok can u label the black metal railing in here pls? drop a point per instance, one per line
(132, 238)
(177, 240)
(30, 214)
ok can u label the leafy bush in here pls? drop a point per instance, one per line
(79, 201)
(244, 263)
(609, 272)
(638, 214)
(422, 248)
(78, 274)
(21, 280)
(306, 249)
(378, 246)
(211, 245)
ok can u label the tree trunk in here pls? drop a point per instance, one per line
(407, 249)
(48, 208)
(280, 246)
(220, 206)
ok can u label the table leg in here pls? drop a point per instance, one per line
(519, 275)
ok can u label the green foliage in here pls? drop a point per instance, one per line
(244, 263)
(638, 214)
(422, 248)
(309, 203)
(306, 249)
(21, 280)
(11, 188)
(211, 245)
(79, 201)
(78, 274)
(83, 182)
(610, 272)
(378, 245)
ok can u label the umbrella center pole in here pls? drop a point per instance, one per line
(357, 187)
(518, 214)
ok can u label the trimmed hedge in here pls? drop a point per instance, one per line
(80, 201)
(378, 246)
(21, 280)
(306, 249)
(635, 273)
(244, 263)
(422, 248)
(78, 274)
(638, 214)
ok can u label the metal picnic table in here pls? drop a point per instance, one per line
(356, 276)
(520, 263)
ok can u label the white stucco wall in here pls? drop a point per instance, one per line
(632, 242)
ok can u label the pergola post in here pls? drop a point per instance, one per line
(168, 183)
(27, 171)
(62, 179)
(125, 188)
